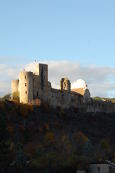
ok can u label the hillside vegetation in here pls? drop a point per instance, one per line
(54, 139)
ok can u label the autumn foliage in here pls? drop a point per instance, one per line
(49, 138)
(80, 137)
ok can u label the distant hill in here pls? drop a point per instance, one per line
(54, 139)
(106, 99)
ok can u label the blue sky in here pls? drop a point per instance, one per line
(78, 35)
(78, 30)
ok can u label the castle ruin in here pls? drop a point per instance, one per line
(31, 87)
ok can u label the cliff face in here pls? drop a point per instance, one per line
(42, 129)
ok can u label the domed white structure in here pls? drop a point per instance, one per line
(81, 88)
(33, 67)
(80, 83)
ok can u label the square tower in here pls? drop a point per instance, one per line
(42, 72)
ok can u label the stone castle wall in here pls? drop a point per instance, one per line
(100, 106)
(64, 99)
(15, 86)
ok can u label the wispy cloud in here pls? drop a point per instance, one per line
(100, 80)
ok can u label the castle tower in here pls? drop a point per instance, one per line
(42, 72)
(26, 86)
(65, 84)
(15, 88)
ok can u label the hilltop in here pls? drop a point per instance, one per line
(106, 99)
(63, 137)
